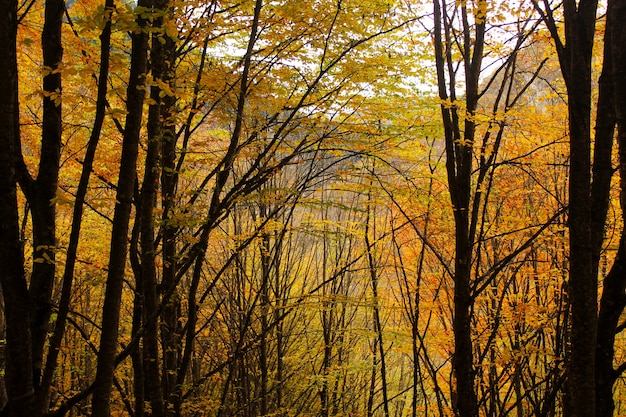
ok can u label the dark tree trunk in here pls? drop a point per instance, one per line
(373, 274)
(612, 304)
(266, 268)
(170, 331)
(575, 60)
(164, 52)
(119, 235)
(459, 153)
(589, 370)
(42, 191)
(157, 129)
(18, 375)
(160, 130)
(613, 300)
(70, 262)
(139, 379)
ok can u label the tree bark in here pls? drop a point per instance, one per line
(42, 192)
(613, 300)
(612, 305)
(19, 383)
(373, 275)
(459, 154)
(582, 288)
(157, 119)
(119, 235)
(72, 249)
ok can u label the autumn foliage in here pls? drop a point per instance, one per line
(324, 208)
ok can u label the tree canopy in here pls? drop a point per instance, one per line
(323, 208)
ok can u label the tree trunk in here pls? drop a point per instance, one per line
(582, 288)
(612, 304)
(119, 235)
(42, 192)
(459, 153)
(613, 300)
(72, 249)
(18, 375)
(266, 268)
(164, 55)
(157, 129)
(373, 274)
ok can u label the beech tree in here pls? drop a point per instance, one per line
(473, 141)
(19, 378)
(34, 305)
(613, 299)
(119, 236)
(590, 372)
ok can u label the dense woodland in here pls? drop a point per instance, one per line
(312, 208)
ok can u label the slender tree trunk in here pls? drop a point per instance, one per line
(136, 355)
(18, 375)
(162, 67)
(462, 361)
(148, 272)
(157, 130)
(377, 321)
(613, 300)
(170, 331)
(459, 153)
(612, 304)
(42, 191)
(68, 275)
(372, 389)
(192, 318)
(266, 265)
(323, 391)
(119, 236)
(137, 352)
(280, 295)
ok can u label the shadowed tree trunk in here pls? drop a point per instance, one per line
(612, 305)
(613, 300)
(19, 383)
(593, 331)
(575, 55)
(42, 191)
(54, 345)
(370, 229)
(158, 130)
(459, 154)
(163, 58)
(582, 287)
(119, 235)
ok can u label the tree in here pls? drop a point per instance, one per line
(613, 300)
(40, 192)
(590, 371)
(119, 236)
(474, 117)
(19, 384)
